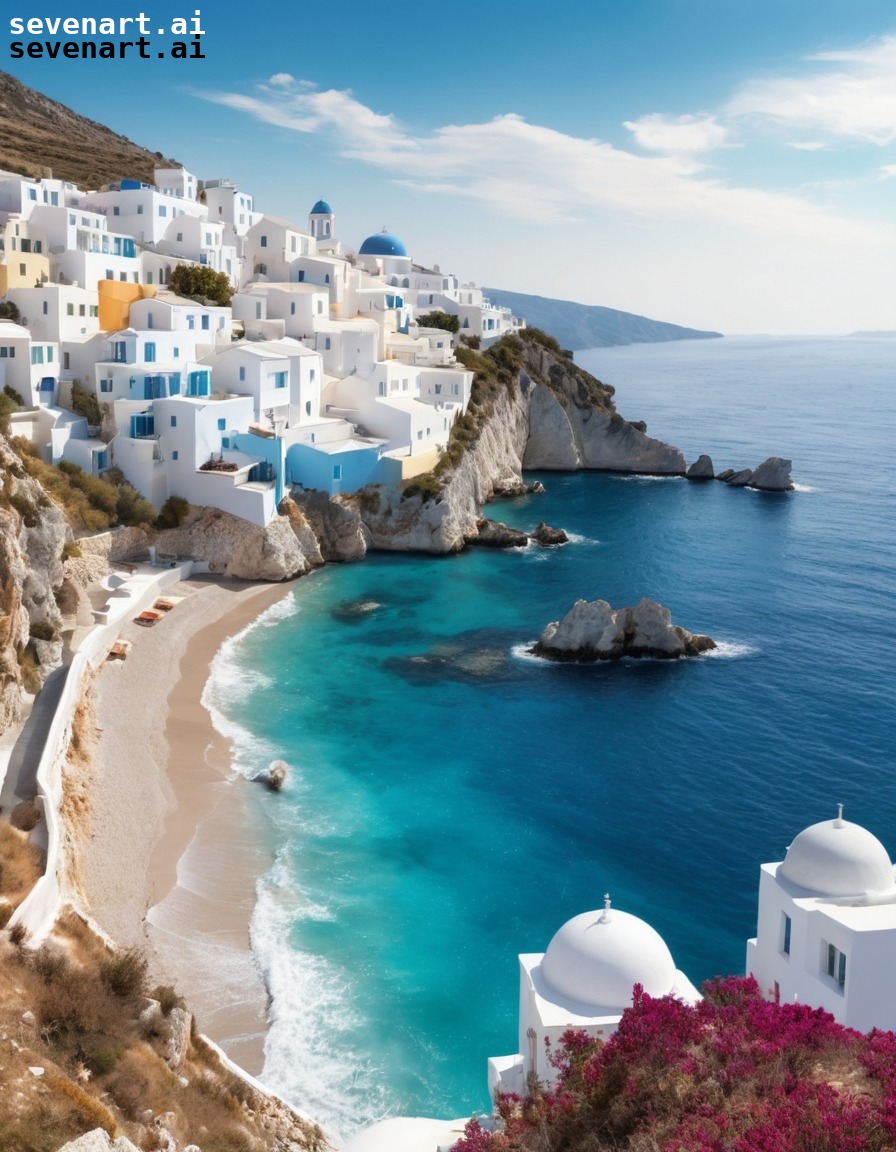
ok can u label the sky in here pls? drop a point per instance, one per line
(723, 164)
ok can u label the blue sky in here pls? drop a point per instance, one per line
(725, 164)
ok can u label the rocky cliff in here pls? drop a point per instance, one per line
(532, 407)
(573, 423)
(33, 532)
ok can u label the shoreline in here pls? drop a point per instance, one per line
(169, 861)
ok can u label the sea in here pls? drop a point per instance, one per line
(452, 800)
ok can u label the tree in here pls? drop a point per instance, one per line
(192, 280)
(445, 320)
(9, 311)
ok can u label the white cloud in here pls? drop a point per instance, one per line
(538, 173)
(282, 79)
(806, 145)
(856, 100)
(677, 134)
(888, 170)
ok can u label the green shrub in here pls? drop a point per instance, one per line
(194, 281)
(427, 486)
(70, 550)
(10, 311)
(131, 508)
(173, 512)
(85, 404)
(16, 397)
(447, 321)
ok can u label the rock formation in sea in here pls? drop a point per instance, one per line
(547, 536)
(591, 630)
(701, 469)
(494, 534)
(772, 475)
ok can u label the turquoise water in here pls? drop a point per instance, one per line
(452, 801)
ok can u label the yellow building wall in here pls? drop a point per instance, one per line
(115, 300)
(36, 271)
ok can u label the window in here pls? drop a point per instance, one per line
(50, 354)
(833, 962)
(116, 211)
(292, 308)
(420, 435)
(222, 424)
(149, 320)
(175, 455)
(7, 352)
(177, 353)
(46, 307)
(32, 193)
(327, 344)
(264, 241)
(301, 276)
(173, 421)
(313, 376)
(307, 407)
(110, 275)
(149, 352)
(204, 323)
(242, 373)
(191, 322)
(785, 934)
(94, 310)
(105, 385)
(337, 471)
(23, 269)
(37, 355)
(280, 379)
(180, 236)
(82, 310)
(139, 209)
(163, 211)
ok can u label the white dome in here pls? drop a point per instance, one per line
(836, 858)
(598, 960)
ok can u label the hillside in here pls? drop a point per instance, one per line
(579, 326)
(40, 137)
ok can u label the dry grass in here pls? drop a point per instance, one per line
(21, 865)
(105, 1068)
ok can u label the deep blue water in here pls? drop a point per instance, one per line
(452, 802)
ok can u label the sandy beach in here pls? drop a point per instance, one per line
(170, 859)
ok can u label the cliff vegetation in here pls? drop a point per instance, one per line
(86, 1044)
(734, 1073)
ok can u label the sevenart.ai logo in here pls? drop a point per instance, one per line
(136, 37)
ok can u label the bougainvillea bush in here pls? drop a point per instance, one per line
(734, 1073)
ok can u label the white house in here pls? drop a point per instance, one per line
(272, 245)
(826, 929)
(283, 377)
(584, 981)
(30, 367)
(58, 312)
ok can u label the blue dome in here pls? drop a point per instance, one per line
(382, 244)
(321, 208)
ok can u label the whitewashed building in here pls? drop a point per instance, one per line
(826, 929)
(584, 981)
